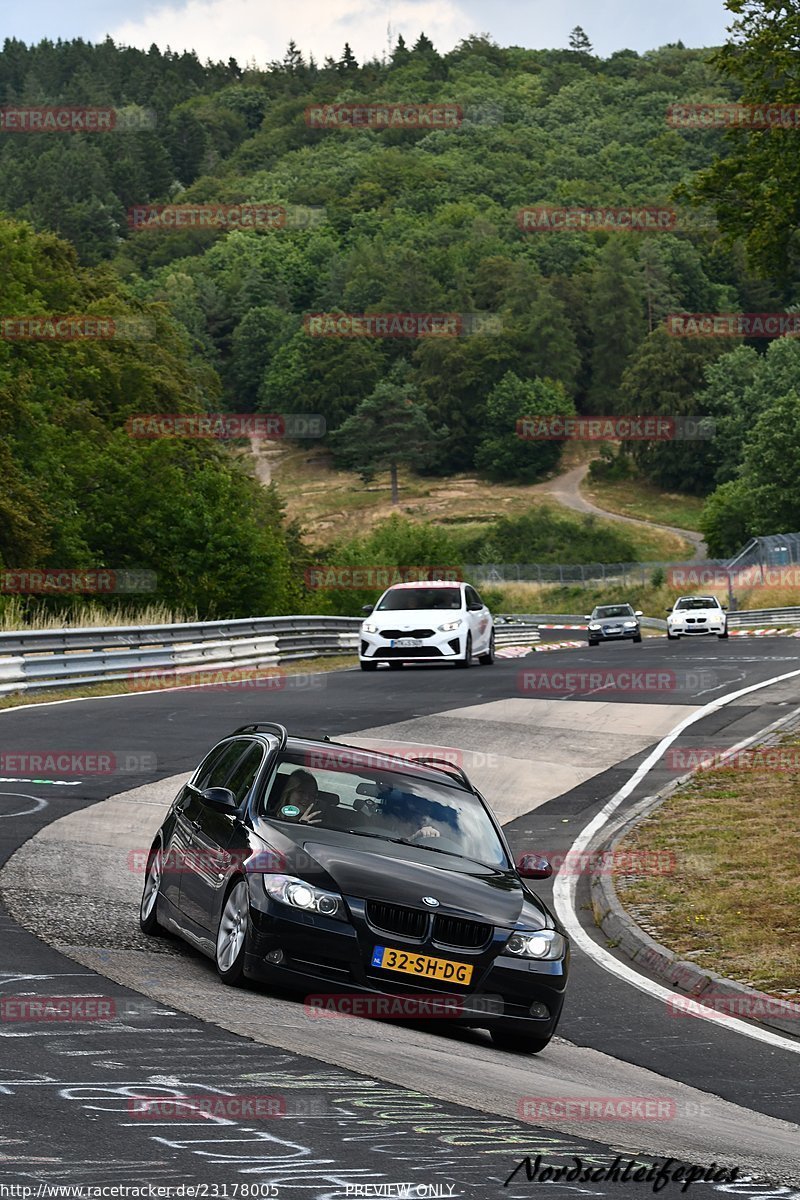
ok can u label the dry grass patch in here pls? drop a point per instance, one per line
(732, 902)
(330, 504)
(15, 615)
(635, 498)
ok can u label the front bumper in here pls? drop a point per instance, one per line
(613, 635)
(437, 647)
(696, 629)
(326, 958)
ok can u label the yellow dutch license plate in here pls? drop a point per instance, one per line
(421, 965)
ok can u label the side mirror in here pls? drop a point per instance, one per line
(367, 609)
(638, 613)
(724, 607)
(587, 617)
(475, 608)
(219, 798)
(534, 866)
(668, 611)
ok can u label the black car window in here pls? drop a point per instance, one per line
(244, 773)
(698, 602)
(409, 599)
(207, 766)
(472, 596)
(613, 610)
(223, 765)
(353, 791)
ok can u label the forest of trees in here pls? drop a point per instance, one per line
(383, 220)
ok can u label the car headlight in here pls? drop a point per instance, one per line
(541, 944)
(594, 625)
(299, 894)
(369, 627)
(630, 624)
(450, 625)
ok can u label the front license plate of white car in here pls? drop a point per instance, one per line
(421, 964)
(407, 642)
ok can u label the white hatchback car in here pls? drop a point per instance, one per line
(439, 621)
(693, 615)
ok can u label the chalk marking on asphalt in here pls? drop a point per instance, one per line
(565, 884)
(25, 812)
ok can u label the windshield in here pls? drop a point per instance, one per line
(698, 602)
(350, 790)
(398, 599)
(613, 610)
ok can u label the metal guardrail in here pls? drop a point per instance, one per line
(106, 637)
(566, 621)
(48, 658)
(51, 658)
(764, 616)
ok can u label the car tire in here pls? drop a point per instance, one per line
(466, 661)
(487, 659)
(637, 639)
(673, 637)
(396, 665)
(368, 666)
(723, 635)
(592, 643)
(521, 1043)
(233, 933)
(148, 907)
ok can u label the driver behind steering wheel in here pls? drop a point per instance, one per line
(411, 813)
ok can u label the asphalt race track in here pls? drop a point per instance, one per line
(549, 737)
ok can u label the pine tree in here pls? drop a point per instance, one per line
(292, 60)
(401, 53)
(579, 41)
(347, 62)
(388, 429)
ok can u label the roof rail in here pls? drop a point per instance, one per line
(265, 727)
(442, 764)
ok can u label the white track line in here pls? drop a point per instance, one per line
(565, 884)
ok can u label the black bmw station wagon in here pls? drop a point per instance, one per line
(325, 868)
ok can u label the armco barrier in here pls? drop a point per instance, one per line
(749, 618)
(47, 658)
(39, 659)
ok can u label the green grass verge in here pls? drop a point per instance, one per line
(731, 902)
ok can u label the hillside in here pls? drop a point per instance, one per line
(420, 217)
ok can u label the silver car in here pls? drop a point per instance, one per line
(614, 623)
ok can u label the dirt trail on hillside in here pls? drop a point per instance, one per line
(265, 457)
(566, 490)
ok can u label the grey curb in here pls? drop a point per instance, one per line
(692, 980)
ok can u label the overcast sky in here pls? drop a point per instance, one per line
(256, 29)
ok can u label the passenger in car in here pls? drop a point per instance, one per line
(298, 800)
